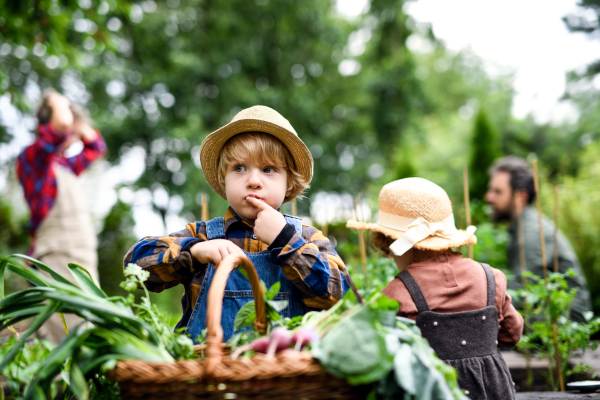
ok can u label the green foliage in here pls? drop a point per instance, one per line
(87, 351)
(369, 344)
(548, 328)
(14, 235)
(44, 39)
(247, 313)
(20, 372)
(584, 23)
(485, 149)
(578, 217)
(114, 240)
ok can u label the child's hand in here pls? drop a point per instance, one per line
(214, 251)
(269, 222)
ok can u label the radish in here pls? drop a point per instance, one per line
(303, 336)
(259, 345)
(279, 340)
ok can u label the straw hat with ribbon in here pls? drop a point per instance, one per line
(416, 213)
(254, 119)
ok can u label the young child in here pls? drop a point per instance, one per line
(256, 162)
(461, 306)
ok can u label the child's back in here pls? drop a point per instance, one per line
(460, 306)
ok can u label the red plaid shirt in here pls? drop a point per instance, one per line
(36, 173)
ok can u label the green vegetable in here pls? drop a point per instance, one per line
(113, 333)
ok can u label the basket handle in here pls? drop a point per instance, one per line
(214, 306)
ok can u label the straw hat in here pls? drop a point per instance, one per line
(254, 119)
(416, 213)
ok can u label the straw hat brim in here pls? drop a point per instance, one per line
(460, 238)
(213, 143)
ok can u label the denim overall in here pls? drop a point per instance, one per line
(238, 291)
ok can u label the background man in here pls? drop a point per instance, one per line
(60, 225)
(511, 181)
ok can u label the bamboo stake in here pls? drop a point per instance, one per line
(204, 208)
(539, 208)
(467, 204)
(325, 227)
(545, 267)
(361, 238)
(522, 259)
(294, 207)
(555, 228)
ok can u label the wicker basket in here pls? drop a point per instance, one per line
(287, 374)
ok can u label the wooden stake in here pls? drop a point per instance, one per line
(521, 235)
(545, 267)
(204, 208)
(555, 228)
(294, 207)
(522, 259)
(540, 217)
(325, 227)
(361, 238)
(467, 204)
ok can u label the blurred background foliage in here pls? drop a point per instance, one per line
(158, 76)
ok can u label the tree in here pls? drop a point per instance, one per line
(587, 22)
(167, 73)
(485, 149)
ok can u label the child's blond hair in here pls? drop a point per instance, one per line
(263, 149)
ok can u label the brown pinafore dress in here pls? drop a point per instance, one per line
(467, 341)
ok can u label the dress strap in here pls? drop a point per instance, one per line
(414, 290)
(491, 285)
(215, 228)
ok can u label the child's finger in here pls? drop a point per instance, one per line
(258, 203)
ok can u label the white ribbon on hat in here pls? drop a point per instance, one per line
(417, 230)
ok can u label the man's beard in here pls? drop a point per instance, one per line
(503, 215)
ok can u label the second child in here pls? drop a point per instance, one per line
(460, 305)
(256, 162)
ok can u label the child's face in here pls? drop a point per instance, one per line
(245, 178)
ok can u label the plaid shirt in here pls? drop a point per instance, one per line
(307, 260)
(36, 173)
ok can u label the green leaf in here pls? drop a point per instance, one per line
(78, 383)
(49, 309)
(3, 264)
(58, 277)
(243, 272)
(245, 317)
(273, 290)
(355, 350)
(403, 368)
(278, 305)
(85, 280)
(33, 277)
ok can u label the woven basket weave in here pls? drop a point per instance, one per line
(287, 374)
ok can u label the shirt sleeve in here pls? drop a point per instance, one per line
(92, 150)
(46, 145)
(168, 259)
(311, 263)
(511, 322)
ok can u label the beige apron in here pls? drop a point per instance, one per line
(65, 236)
